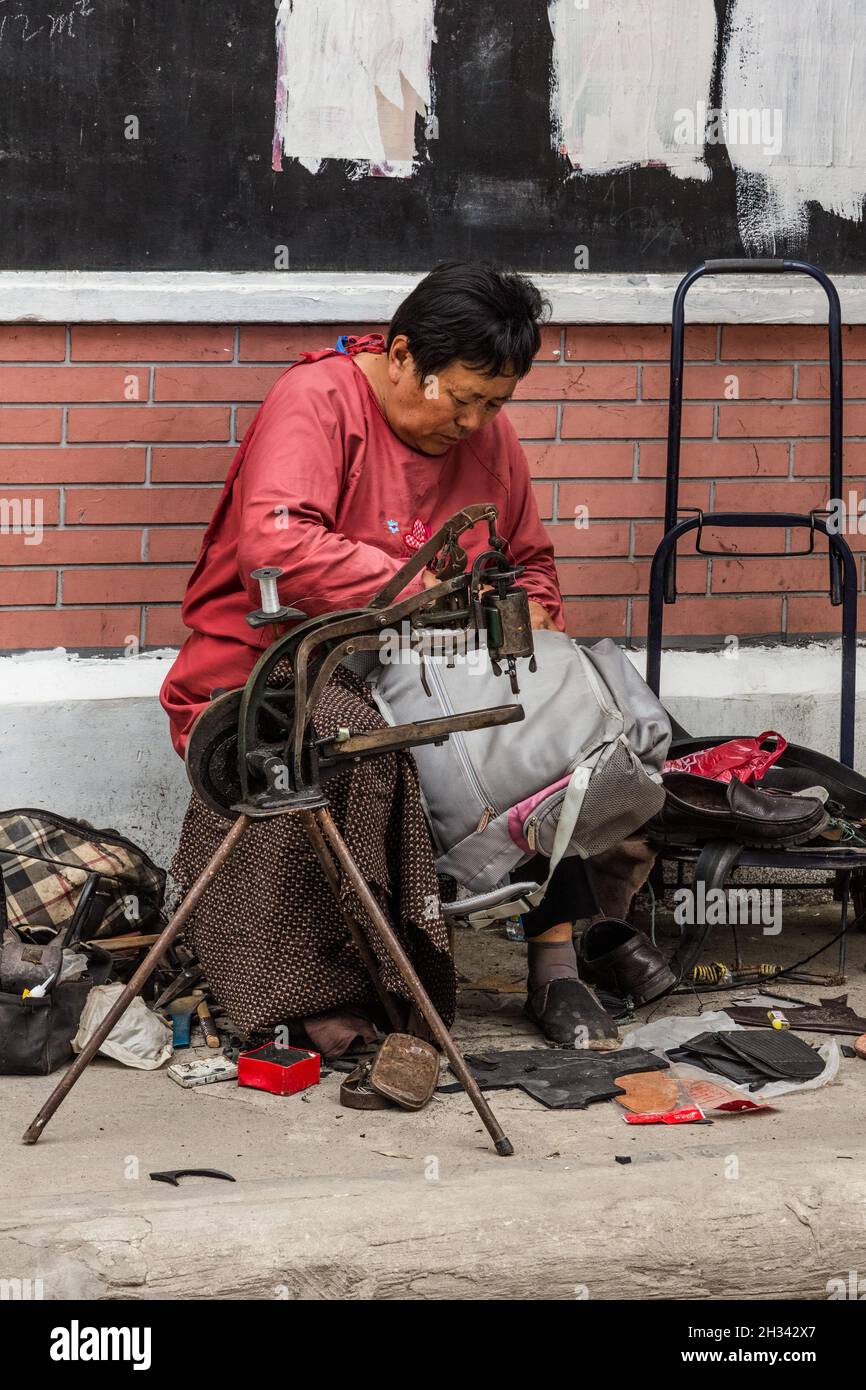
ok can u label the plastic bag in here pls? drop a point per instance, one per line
(656, 1098)
(744, 758)
(139, 1038)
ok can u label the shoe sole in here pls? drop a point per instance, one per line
(595, 1045)
(800, 839)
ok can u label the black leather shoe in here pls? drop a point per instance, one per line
(569, 1014)
(619, 958)
(698, 808)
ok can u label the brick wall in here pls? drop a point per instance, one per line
(125, 433)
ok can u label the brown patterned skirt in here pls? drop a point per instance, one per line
(268, 931)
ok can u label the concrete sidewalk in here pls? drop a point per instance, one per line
(330, 1203)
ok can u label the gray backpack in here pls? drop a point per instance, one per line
(577, 775)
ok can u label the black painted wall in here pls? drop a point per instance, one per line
(196, 190)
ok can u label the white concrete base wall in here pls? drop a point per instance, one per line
(87, 737)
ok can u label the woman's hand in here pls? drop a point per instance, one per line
(541, 618)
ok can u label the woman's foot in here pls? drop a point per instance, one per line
(566, 1010)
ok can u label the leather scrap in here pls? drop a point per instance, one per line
(828, 1016)
(559, 1080)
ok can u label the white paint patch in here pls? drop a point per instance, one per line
(621, 71)
(808, 62)
(351, 77)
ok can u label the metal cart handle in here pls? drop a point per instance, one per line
(740, 265)
(839, 549)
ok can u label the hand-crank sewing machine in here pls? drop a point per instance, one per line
(254, 752)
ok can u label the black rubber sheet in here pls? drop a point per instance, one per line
(559, 1080)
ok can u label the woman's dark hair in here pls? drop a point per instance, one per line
(469, 312)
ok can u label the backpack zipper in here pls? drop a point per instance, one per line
(463, 757)
(530, 825)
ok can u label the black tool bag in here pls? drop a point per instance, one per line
(64, 884)
(36, 1033)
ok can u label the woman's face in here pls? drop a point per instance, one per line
(435, 413)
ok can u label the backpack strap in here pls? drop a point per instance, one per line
(501, 903)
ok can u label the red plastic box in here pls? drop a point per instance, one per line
(280, 1070)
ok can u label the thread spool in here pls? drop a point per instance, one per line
(267, 578)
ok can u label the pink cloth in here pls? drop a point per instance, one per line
(519, 813)
(323, 488)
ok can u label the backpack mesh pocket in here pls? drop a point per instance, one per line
(620, 798)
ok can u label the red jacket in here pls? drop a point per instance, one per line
(323, 488)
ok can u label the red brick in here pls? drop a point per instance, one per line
(596, 617)
(175, 464)
(715, 617)
(648, 534)
(580, 460)
(73, 547)
(50, 384)
(32, 342)
(543, 494)
(245, 416)
(602, 578)
(712, 383)
(174, 543)
(165, 628)
(812, 458)
(625, 576)
(27, 586)
(769, 576)
(814, 614)
(107, 584)
(551, 343)
(631, 421)
(738, 418)
(144, 506)
(758, 342)
(597, 539)
(530, 421)
(814, 382)
(151, 342)
(20, 426)
(72, 465)
(642, 344)
(769, 497)
(214, 383)
(35, 628)
(273, 342)
(617, 500)
(578, 383)
(28, 497)
(149, 422)
(715, 460)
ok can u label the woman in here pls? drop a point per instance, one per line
(356, 456)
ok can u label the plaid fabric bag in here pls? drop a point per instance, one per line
(48, 861)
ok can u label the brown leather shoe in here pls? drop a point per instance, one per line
(617, 957)
(697, 808)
